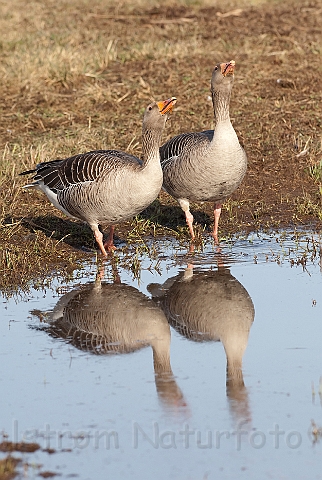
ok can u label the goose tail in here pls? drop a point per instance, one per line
(31, 185)
(27, 172)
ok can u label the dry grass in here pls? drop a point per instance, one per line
(76, 76)
(8, 468)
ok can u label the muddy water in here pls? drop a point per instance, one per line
(199, 366)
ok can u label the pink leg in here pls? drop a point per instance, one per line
(191, 247)
(109, 245)
(189, 220)
(99, 239)
(217, 212)
(184, 204)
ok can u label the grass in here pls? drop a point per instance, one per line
(78, 76)
(8, 465)
(8, 468)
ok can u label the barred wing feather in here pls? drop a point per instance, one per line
(183, 144)
(59, 174)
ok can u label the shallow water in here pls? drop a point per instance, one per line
(125, 374)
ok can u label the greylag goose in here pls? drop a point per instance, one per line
(107, 186)
(107, 318)
(212, 306)
(209, 165)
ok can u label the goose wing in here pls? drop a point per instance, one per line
(185, 142)
(209, 134)
(59, 174)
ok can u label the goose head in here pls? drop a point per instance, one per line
(156, 113)
(154, 120)
(223, 76)
(221, 85)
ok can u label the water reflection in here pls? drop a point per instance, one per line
(104, 318)
(212, 306)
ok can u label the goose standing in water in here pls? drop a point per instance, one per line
(107, 186)
(209, 165)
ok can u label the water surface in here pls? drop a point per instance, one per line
(168, 365)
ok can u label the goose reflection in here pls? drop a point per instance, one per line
(212, 306)
(104, 318)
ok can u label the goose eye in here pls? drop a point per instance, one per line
(150, 108)
(216, 68)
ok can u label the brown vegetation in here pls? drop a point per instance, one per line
(8, 468)
(77, 75)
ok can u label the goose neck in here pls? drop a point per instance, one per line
(161, 362)
(234, 372)
(151, 141)
(220, 102)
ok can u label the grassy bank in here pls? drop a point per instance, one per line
(77, 75)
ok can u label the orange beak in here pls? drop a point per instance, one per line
(227, 68)
(166, 106)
